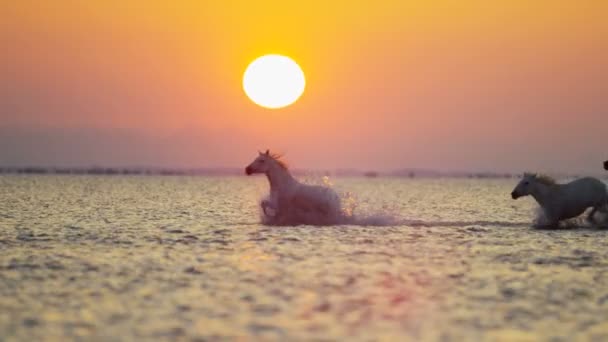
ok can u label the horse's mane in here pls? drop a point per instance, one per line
(277, 158)
(542, 178)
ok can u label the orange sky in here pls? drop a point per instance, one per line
(503, 85)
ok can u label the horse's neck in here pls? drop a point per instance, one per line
(280, 180)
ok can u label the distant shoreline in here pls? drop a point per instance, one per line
(117, 171)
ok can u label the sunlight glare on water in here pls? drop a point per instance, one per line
(169, 257)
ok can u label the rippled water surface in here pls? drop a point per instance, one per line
(124, 258)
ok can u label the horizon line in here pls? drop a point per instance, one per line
(405, 172)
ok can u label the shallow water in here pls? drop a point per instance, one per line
(109, 258)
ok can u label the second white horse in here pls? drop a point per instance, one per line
(564, 201)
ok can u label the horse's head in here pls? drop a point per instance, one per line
(261, 164)
(524, 187)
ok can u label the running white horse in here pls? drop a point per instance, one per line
(564, 201)
(290, 201)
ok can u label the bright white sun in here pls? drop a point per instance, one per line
(274, 81)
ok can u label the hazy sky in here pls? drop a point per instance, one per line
(456, 85)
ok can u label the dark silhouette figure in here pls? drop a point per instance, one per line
(606, 165)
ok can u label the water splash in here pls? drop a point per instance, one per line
(346, 205)
(351, 212)
(349, 204)
(540, 220)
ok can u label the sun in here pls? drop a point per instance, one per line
(274, 81)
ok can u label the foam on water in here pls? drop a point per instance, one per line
(600, 221)
(351, 213)
(346, 213)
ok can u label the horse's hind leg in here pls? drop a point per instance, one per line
(590, 217)
(603, 208)
(601, 205)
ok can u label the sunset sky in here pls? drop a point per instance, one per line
(450, 85)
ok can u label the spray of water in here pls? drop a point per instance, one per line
(349, 212)
(345, 212)
(540, 220)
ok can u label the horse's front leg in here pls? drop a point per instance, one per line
(551, 219)
(549, 224)
(268, 208)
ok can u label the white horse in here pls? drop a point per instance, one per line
(564, 201)
(290, 201)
